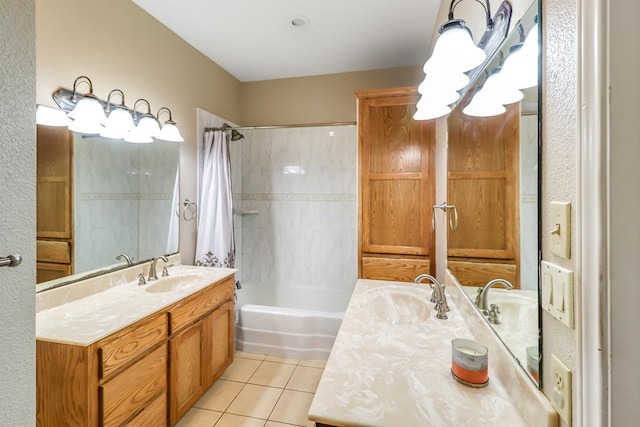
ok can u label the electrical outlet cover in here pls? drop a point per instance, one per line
(561, 392)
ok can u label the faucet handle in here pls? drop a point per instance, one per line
(165, 271)
(434, 294)
(141, 280)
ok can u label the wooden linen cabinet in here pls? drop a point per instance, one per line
(396, 186)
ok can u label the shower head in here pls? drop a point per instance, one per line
(235, 135)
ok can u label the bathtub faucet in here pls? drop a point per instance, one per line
(438, 297)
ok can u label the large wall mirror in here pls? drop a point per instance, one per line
(100, 197)
(493, 181)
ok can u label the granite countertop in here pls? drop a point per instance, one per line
(70, 318)
(392, 367)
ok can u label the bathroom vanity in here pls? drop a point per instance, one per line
(111, 352)
(391, 366)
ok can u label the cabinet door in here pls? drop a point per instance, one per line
(397, 187)
(483, 181)
(186, 380)
(218, 341)
(54, 182)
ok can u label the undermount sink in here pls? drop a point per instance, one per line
(173, 283)
(400, 306)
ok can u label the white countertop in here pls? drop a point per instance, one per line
(397, 372)
(84, 320)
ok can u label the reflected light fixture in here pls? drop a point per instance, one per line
(51, 116)
(119, 123)
(500, 89)
(521, 67)
(169, 131)
(88, 114)
(147, 127)
(483, 105)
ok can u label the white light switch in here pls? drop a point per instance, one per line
(561, 229)
(557, 292)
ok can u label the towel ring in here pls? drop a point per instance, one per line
(453, 219)
(190, 210)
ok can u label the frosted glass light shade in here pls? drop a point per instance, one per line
(521, 66)
(170, 132)
(500, 90)
(51, 116)
(455, 48)
(149, 126)
(483, 106)
(87, 115)
(137, 136)
(431, 111)
(441, 76)
(118, 125)
(436, 95)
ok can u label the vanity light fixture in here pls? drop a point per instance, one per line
(51, 116)
(147, 127)
(455, 54)
(87, 114)
(119, 123)
(500, 89)
(169, 131)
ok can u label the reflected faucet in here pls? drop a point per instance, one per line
(481, 297)
(153, 275)
(126, 258)
(438, 296)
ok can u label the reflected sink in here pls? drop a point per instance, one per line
(174, 283)
(400, 307)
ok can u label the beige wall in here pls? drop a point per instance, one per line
(318, 99)
(118, 45)
(17, 213)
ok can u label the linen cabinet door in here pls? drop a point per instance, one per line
(219, 341)
(186, 378)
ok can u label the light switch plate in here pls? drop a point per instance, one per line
(557, 292)
(561, 229)
(561, 391)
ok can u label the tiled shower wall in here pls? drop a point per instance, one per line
(299, 195)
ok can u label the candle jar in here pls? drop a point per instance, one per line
(470, 362)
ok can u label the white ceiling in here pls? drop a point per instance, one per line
(254, 39)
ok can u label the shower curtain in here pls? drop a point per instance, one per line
(215, 246)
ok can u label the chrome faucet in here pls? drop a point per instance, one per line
(153, 275)
(481, 297)
(126, 258)
(438, 297)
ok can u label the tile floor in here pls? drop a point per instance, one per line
(258, 391)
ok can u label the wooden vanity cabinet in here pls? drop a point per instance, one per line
(147, 374)
(120, 380)
(200, 345)
(396, 186)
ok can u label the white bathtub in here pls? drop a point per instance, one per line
(299, 323)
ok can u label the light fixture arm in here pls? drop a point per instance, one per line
(135, 105)
(78, 81)
(121, 93)
(485, 5)
(169, 111)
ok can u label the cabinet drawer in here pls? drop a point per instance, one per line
(120, 348)
(53, 251)
(155, 414)
(197, 305)
(131, 390)
(395, 269)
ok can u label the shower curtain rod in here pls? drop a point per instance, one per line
(308, 125)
